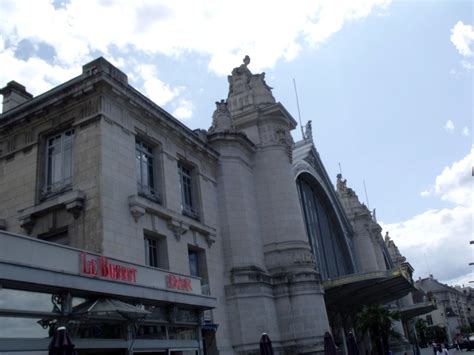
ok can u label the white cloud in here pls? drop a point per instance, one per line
(465, 132)
(455, 183)
(425, 193)
(462, 36)
(223, 32)
(36, 74)
(437, 241)
(154, 88)
(449, 126)
(184, 110)
(467, 65)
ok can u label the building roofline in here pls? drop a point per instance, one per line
(92, 77)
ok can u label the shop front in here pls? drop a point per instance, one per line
(107, 305)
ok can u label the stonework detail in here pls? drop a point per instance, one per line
(249, 253)
(395, 254)
(177, 228)
(289, 258)
(308, 132)
(247, 90)
(221, 120)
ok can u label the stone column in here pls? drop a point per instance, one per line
(295, 284)
(248, 288)
(288, 258)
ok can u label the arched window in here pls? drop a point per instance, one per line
(324, 231)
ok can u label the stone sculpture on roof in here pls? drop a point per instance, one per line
(308, 131)
(221, 120)
(247, 90)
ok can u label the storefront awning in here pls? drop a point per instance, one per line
(350, 292)
(110, 309)
(408, 312)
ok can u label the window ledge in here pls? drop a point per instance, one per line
(177, 223)
(72, 200)
(149, 196)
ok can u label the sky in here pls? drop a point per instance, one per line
(388, 86)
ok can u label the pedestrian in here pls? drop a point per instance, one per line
(441, 350)
(456, 343)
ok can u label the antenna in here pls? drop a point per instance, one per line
(340, 169)
(298, 106)
(427, 264)
(366, 196)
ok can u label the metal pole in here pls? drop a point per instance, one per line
(298, 106)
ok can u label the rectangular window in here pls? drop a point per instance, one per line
(146, 176)
(59, 236)
(58, 162)
(156, 253)
(188, 191)
(198, 267)
(193, 263)
(429, 320)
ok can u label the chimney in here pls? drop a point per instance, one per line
(14, 94)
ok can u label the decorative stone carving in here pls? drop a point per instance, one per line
(247, 89)
(311, 161)
(221, 120)
(177, 228)
(288, 258)
(210, 239)
(137, 212)
(308, 132)
(341, 187)
(75, 208)
(393, 250)
(27, 224)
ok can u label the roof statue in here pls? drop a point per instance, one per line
(308, 131)
(221, 120)
(341, 186)
(393, 250)
(247, 90)
(243, 69)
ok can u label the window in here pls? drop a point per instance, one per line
(193, 263)
(429, 320)
(146, 171)
(188, 190)
(156, 254)
(198, 266)
(59, 236)
(325, 234)
(58, 162)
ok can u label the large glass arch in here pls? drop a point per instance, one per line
(324, 231)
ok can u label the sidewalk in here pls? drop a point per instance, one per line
(429, 351)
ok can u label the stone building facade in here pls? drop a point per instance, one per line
(95, 165)
(453, 306)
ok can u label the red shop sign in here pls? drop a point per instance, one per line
(178, 283)
(101, 266)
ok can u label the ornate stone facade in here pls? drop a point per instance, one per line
(249, 229)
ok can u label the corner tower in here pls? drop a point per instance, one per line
(270, 265)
